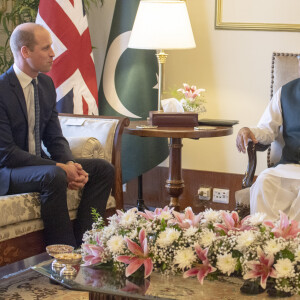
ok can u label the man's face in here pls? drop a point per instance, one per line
(40, 59)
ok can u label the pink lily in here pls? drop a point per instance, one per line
(131, 287)
(286, 229)
(187, 219)
(150, 215)
(262, 268)
(190, 92)
(122, 213)
(94, 256)
(141, 256)
(201, 270)
(232, 222)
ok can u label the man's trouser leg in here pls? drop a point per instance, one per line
(95, 193)
(51, 183)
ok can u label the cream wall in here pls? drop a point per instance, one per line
(233, 66)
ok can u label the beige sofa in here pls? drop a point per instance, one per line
(89, 137)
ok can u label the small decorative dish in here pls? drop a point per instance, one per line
(53, 250)
(68, 259)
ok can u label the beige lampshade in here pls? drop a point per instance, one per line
(162, 24)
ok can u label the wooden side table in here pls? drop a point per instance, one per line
(174, 183)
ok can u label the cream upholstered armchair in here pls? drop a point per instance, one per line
(285, 67)
(21, 226)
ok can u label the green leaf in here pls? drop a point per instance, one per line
(287, 254)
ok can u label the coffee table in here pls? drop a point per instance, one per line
(104, 284)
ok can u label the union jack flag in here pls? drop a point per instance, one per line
(73, 71)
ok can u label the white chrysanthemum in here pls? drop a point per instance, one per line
(284, 268)
(128, 218)
(183, 101)
(256, 219)
(162, 239)
(116, 244)
(172, 235)
(210, 216)
(226, 263)
(190, 231)
(245, 239)
(297, 254)
(272, 247)
(207, 237)
(166, 215)
(167, 237)
(184, 258)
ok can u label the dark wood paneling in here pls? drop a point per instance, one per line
(154, 193)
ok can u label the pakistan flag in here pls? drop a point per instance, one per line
(129, 88)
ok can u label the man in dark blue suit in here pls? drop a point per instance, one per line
(22, 167)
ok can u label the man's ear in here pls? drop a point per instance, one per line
(25, 52)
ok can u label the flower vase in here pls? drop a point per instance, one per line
(252, 287)
(138, 276)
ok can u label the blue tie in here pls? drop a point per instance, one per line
(37, 119)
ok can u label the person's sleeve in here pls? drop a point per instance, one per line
(269, 124)
(12, 156)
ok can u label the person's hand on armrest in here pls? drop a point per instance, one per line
(243, 137)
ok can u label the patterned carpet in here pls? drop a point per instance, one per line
(30, 285)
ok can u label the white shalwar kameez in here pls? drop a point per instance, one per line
(275, 188)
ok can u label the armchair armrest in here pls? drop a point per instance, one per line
(252, 160)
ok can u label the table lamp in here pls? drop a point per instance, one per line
(160, 25)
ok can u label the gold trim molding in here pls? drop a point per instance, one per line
(219, 24)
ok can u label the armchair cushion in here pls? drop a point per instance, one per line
(23, 207)
(101, 129)
(86, 147)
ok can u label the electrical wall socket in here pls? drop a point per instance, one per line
(221, 196)
(124, 187)
(204, 193)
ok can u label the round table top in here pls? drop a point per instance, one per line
(177, 132)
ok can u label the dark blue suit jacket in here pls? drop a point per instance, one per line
(14, 127)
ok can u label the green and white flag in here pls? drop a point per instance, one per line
(129, 88)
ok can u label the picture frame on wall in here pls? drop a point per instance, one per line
(272, 15)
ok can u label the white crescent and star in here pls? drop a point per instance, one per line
(115, 51)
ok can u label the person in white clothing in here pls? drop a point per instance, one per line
(277, 188)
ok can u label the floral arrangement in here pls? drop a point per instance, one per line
(191, 98)
(206, 245)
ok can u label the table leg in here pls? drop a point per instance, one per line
(140, 201)
(175, 184)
